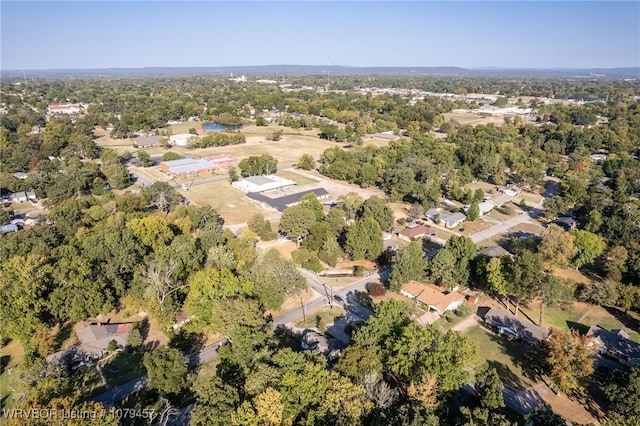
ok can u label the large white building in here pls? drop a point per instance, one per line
(263, 183)
(181, 139)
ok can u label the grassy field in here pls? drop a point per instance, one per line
(296, 177)
(506, 356)
(472, 119)
(12, 356)
(583, 315)
(129, 366)
(228, 201)
(182, 128)
(207, 370)
(321, 318)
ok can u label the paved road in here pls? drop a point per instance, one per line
(503, 227)
(119, 393)
(324, 295)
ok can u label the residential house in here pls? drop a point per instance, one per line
(19, 197)
(511, 325)
(94, 341)
(494, 251)
(616, 344)
(147, 141)
(485, 207)
(313, 341)
(417, 231)
(433, 297)
(452, 220)
(187, 166)
(511, 190)
(567, 223)
(5, 229)
(499, 200)
(433, 214)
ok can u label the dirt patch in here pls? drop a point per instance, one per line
(571, 274)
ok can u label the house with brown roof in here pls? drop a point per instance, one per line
(417, 231)
(433, 297)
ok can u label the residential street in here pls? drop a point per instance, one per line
(119, 393)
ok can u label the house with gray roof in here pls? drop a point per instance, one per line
(510, 325)
(616, 344)
(453, 219)
(147, 141)
(94, 341)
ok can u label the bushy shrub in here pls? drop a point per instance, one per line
(359, 270)
(313, 264)
(301, 255)
(377, 290)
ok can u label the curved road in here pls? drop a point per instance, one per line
(119, 393)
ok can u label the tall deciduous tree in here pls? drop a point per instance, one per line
(408, 264)
(376, 208)
(166, 368)
(364, 239)
(557, 246)
(589, 247)
(570, 359)
(296, 222)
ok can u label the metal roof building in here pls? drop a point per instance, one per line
(187, 166)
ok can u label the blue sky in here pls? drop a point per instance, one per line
(538, 34)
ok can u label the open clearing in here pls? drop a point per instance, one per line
(296, 177)
(228, 201)
(12, 356)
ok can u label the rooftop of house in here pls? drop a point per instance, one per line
(494, 251)
(616, 341)
(523, 329)
(433, 296)
(418, 230)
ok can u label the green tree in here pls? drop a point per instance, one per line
(144, 158)
(364, 239)
(442, 269)
(306, 162)
(330, 252)
(623, 392)
(408, 264)
(296, 222)
(474, 211)
(167, 369)
(589, 247)
(376, 208)
(170, 156)
(557, 246)
(345, 403)
(311, 202)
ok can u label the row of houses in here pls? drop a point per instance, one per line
(20, 197)
(614, 344)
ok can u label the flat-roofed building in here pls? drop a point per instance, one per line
(263, 183)
(187, 166)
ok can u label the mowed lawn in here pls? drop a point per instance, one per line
(12, 356)
(506, 356)
(581, 316)
(228, 201)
